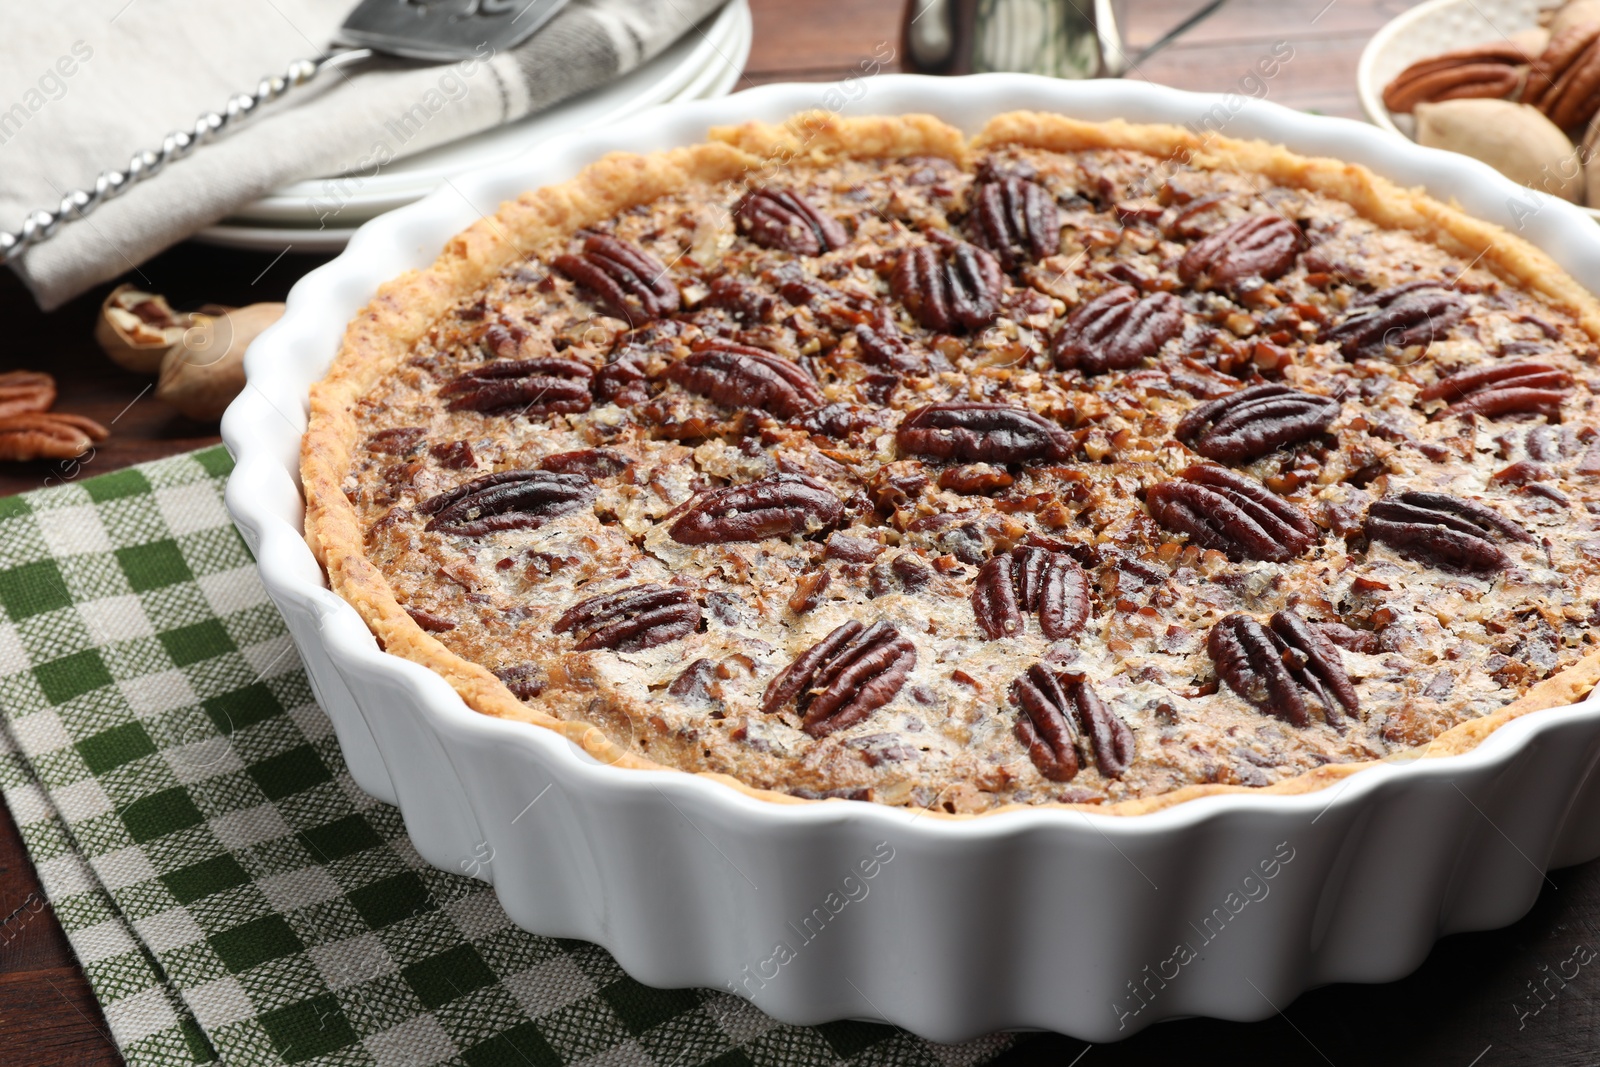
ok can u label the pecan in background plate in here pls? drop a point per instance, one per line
(1564, 82)
(1496, 69)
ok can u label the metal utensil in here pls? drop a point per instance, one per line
(1060, 38)
(435, 31)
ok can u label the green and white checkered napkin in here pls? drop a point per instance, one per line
(230, 891)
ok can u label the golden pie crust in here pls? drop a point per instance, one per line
(406, 309)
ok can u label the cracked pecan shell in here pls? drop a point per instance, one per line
(1016, 219)
(631, 620)
(971, 432)
(785, 220)
(1252, 422)
(1029, 579)
(844, 677)
(1257, 246)
(1413, 313)
(780, 505)
(1522, 387)
(1116, 330)
(1059, 714)
(738, 376)
(630, 282)
(1239, 516)
(545, 385)
(948, 291)
(1274, 667)
(506, 500)
(1437, 528)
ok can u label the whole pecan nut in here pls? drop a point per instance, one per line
(630, 282)
(1116, 330)
(1494, 70)
(843, 678)
(1412, 313)
(1057, 715)
(1031, 579)
(631, 620)
(1503, 389)
(1252, 422)
(779, 505)
(784, 220)
(506, 500)
(47, 435)
(24, 392)
(1275, 668)
(1221, 509)
(1437, 528)
(545, 385)
(1263, 246)
(1564, 82)
(738, 376)
(972, 432)
(1016, 219)
(960, 289)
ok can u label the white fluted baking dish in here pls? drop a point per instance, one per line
(1096, 926)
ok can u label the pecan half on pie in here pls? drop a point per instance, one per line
(1075, 463)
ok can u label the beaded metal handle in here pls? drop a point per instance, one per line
(41, 225)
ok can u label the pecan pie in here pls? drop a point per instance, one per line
(1074, 463)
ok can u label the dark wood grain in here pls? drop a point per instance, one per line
(47, 1013)
(1458, 1010)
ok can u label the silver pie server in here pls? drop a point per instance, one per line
(436, 31)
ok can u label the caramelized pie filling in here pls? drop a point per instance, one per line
(1073, 476)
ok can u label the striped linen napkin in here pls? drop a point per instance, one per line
(83, 86)
(231, 893)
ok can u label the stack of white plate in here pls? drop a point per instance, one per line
(705, 62)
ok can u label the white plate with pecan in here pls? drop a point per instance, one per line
(1508, 82)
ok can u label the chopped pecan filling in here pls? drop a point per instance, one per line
(1080, 476)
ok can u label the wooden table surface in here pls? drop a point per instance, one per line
(1461, 1009)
